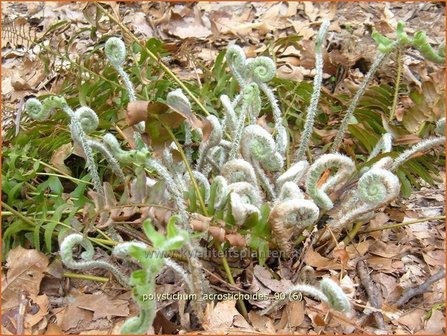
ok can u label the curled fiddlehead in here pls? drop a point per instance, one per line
(239, 170)
(251, 105)
(213, 140)
(257, 143)
(345, 167)
(260, 69)
(201, 180)
(87, 262)
(329, 292)
(244, 199)
(312, 109)
(337, 299)
(295, 173)
(290, 190)
(289, 218)
(236, 61)
(375, 188)
(115, 51)
(39, 111)
(221, 191)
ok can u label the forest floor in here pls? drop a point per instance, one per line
(396, 258)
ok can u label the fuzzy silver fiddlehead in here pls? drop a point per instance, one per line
(39, 111)
(329, 292)
(291, 217)
(239, 170)
(290, 190)
(248, 193)
(35, 109)
(213, 140)
(275, 163)
(260, 69)
(221, 191)
(236, 61)
(375, 188)
(337, 299)
(244, 200)
(240, 208)
(87, 262)
(251, 101)
(251, 106)
(312, 109)
(201, 180)
(295, 173)
(345, 167)
(115, 51)
(421, 146)
(87, 118)
(257, 143)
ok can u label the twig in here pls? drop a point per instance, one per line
(422, 288)
(393, 226)
(371, 290)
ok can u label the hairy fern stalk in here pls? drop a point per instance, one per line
(240, 172)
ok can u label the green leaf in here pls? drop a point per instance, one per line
(154, 236)
(55, 185)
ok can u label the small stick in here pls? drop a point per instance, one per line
(393, 226)
(21, 313)
(422, 288)
(371, 290)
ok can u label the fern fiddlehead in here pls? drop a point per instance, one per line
(87, 262)
(39, 110)
(375, 188)
(345, 167)
(289, 218)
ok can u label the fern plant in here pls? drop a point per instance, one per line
(240, 175)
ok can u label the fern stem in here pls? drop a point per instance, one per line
(361, 90)
(188, 168)
(397, 85)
